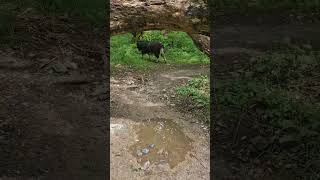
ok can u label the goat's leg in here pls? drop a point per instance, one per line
(162, 55)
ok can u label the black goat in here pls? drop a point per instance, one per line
(151, 47)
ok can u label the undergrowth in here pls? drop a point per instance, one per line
(196, 96)
(278, 98)
(179, 49)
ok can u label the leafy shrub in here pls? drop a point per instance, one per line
(281, 115)
(196, 93)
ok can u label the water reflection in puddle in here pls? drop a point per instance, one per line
(160, 141)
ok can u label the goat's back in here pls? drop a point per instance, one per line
(141, 45)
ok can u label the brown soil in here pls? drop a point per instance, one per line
(137, 99)
(52, 121)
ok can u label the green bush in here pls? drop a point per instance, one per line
(283, 69)
(196, 93)
(264, 99)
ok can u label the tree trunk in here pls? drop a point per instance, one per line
(190, 16)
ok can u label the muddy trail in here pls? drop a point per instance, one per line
(53, 101)
(150, 137)
(52, 124)
(236, 40)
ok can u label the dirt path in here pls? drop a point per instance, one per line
(138, 101)
(51, 124)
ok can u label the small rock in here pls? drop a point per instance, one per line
(145, 151)
(172, 104)
(160, 151)
(139, 153)
(162, 161)
(146, 165)
(166, 153)
(130, 82)
(152, 145)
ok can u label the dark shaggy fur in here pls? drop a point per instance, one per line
(151, 47)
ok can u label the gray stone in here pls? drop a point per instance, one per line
(146, 165)
(139, 153)
(145, 151)
(152, 145)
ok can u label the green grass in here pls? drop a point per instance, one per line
(196, 94)
(182, 51)
(278, 97)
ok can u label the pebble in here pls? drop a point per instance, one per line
(152, 145)
(160, 151)
(139, 153)
(145, 151)
(146, 165)
(162, 161)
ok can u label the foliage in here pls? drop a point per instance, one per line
(179, 48)
(197, 93)
(271, 97)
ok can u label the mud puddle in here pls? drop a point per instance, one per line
(160, 141)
